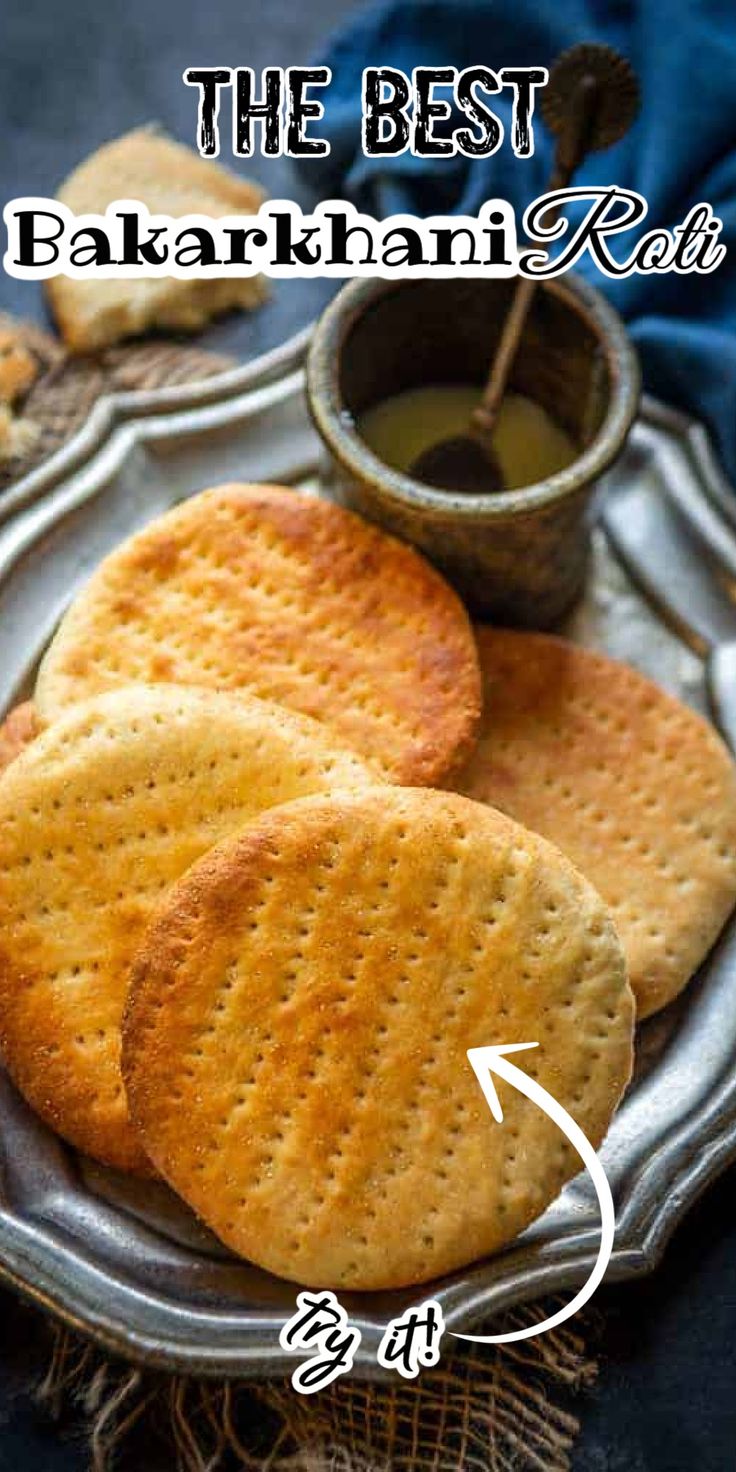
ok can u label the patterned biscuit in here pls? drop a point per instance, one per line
(305, 999)
(98, 817)
(264, 589)
(19, 728)
(18, 367)
(632, 785)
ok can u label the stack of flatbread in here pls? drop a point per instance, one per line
(282, 837)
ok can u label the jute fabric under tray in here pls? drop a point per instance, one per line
(482, 1410)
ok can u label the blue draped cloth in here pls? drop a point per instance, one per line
(681, 150)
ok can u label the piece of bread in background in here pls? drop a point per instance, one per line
(17, 435)
(297, 1026)
(266, 590)
(171, 180)
(20, 727)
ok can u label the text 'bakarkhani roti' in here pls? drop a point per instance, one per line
(300, 1012)
(636, 788)
(264, 589)
(98, 817)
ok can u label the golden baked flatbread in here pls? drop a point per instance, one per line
(19, 728)
(300, 1010)
(632, 785)
(270, 591)
(169, 179)
(98, 817)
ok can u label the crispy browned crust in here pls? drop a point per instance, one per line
(98, 817)
(264, 589)
(294, 1043)
(636, 788)
(20, 727)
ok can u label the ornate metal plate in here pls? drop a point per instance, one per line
(125, 1261)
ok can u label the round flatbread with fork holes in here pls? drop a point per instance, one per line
(279, 594)
(98, 818)
(305, 1000)
(636, 788)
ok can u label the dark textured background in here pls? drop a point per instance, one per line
(73, 73)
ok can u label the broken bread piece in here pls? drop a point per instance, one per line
(169, 179)
(20, 727)
(297, 1026)
(19, 369)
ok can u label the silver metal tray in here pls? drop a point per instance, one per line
(125, 1261)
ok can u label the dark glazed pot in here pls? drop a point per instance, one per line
(517, 556)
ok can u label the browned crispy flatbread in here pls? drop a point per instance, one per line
(98, 817)
(295, 1040)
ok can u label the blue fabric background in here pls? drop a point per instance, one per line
(681, 150)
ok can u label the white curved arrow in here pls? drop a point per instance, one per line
(487, 1061)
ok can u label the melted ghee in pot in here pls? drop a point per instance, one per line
(528, 443)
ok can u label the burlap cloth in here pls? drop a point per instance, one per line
(482, 1410)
